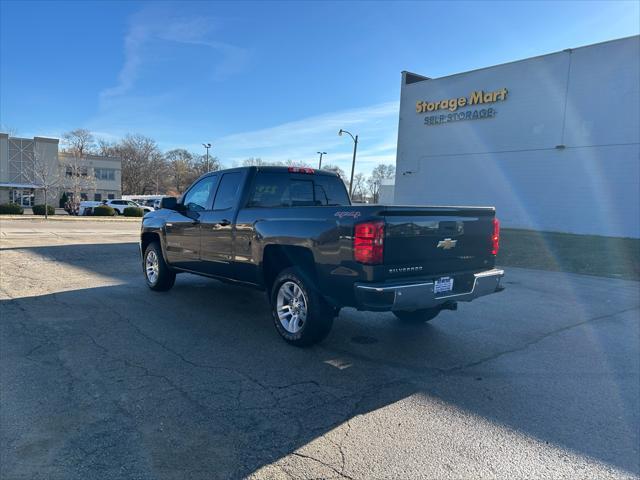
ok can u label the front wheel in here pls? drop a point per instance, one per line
(156, 271)
(301, 316)
(417, 316)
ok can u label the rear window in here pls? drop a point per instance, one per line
(284, 190)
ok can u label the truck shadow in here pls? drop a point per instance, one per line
(196, 383)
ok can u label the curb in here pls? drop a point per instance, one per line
(70, 218)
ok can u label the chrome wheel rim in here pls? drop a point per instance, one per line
(152, 267)
(291, 304)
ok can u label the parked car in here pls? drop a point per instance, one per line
(120, 205)
(294, 233)
(86, 207)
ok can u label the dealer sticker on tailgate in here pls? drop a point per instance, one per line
(444, 284)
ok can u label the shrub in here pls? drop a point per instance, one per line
(39, 210)
(103, 211)
(63, 200)
(11, 209)
(133, 212)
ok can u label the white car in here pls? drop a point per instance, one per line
(86, 207)
(120, 205)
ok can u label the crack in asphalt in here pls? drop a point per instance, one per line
(331, 467)
(436, 372)
(537, 340)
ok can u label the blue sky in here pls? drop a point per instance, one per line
(267, 79)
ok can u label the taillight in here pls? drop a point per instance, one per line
(301, 170)
(368, 242)
(495, 238)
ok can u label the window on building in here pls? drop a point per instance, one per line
(84, 196)
(111, 196)
(22, 197)
(97, 197)
(71, 171)
(105, 173)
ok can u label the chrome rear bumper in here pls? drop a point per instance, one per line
(413, 296)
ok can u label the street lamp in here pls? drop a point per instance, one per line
(320, 162)
(353, 163)
(207, 146)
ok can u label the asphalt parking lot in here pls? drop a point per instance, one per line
(102, 378)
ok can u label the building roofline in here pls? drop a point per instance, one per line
(569, 50)
(47, 139)
(90, 156)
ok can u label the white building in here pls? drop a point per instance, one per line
(21, 158)
(552, 141)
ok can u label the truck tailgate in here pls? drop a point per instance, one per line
(423, 241)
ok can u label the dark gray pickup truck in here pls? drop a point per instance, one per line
(294, 233)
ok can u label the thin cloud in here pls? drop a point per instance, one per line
(151, 25)
(376, 126)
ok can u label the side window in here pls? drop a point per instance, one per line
(330, 190)
(199, 196)
(301, 193)
(228, 191)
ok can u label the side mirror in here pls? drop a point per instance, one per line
(170, 203)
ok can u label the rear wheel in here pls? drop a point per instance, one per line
(156, 271)
(417, 316)
(301, 316)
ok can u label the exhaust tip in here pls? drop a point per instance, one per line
(450, 306)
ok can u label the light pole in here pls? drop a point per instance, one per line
(353, 163)
(320, 162)
(207, 146)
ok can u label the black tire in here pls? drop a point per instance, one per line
(165, 277)
(319, 315)
(115, 212)
(417, 316)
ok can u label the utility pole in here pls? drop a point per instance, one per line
(207, 146)
(353, 163)
(320, 162)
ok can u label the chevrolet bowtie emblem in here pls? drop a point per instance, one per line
(447, 244)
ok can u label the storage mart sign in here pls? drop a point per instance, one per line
(478, 97)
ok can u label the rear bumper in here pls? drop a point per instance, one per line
(413, 296)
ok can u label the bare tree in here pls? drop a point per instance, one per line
(201, 166)
(379, 173)
(359, 186)
(297, 163)
(9, 130)
(180, 166)
(336, 169)
(107, 149)
(254, 162)
(47, 176)
(79, 142)
(142, 164)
